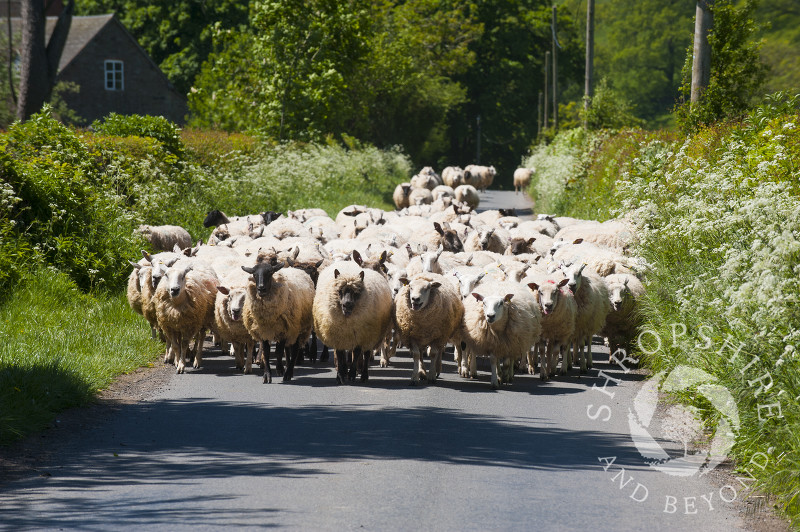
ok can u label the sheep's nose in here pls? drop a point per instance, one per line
(174, 291)
(548, 307)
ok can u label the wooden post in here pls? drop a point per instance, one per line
(546, 83)
(555, 71)
(588, 91)
(539, 128)
(701, 56)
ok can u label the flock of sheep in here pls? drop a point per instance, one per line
(434, 272)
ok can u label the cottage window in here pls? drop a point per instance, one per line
(114, 75)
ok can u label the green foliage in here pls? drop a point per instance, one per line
(156, 127)
(60, 346)
(177, 34)
(60, 109)
(609, 110)
(718, 218)
(737, 72)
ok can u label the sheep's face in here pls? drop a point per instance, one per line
(419, 293)
(574, 275)
(349, 292)
(159, 271)
(617, 294)
(468, 282)
(176, 280)
(450, 240)
(494, 307)
(549, 294)
(484, 238)
(215, 218)
(143, 276)
(406, 190)
(262, 276)
(395, 274)
(430, 260)
(521, 245)
(233, 302)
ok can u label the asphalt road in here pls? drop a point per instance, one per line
(216, 449)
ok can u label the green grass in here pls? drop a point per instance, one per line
(60, 347)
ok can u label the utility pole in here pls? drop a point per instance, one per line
(546, 83)
(701, 56)
(555, 71)
(539, 128)
(478, 141)
(588, 91)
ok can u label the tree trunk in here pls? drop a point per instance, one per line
(588, 89)
(39, 60)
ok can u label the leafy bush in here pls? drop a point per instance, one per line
(608, 109)
(156, 127)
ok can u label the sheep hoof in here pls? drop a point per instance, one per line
(431, 379)
(364, 377)
(287, 378)
(267, 378)
(414, 382)
(384, 363)
(279, 370)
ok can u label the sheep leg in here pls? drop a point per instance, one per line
(312, 350)
(417, 370)
(265, 359)
(198, 347)
(325, 354)
(589, 353)
(238, 347)
(279, 349)
(182, 350)
(435, 356)
(365, 370)
(495, 382)
(341, 366)
(292, 354)
(582, 355)
(473, 365)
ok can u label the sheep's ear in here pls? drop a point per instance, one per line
(533, 286)
(469, 259)
(577, 241)
(170, 262)
(147, 256)
(296, 252)
(289, 261)
(404, 281)
(319, 263)
(439, 250)
(508, 297)
(176, 249)
(446, 226)
(436, 284)
(336, 274)
(477, 296)
(480, 276)
(438, 228)
(139, 266)
(563, 283)
(223, 290)
(248, 269)
(277, 266)
(625, 284)
(357, 257)
(580, 270)
(531, 240)
(361, 275)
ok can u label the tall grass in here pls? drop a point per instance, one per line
(718, 216)
(60, 346)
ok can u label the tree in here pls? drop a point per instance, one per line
(737, 72)
(39, 60)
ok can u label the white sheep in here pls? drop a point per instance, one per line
(427, 181)
(443, 191)
(502, 321)
(591, 297)
(468, 194)
(488, 239)
(623, 321)
(481, 177)
(559, 312)
(400, 195)
(428, 313)
(184, 302)
(615, 234)
(522, 179)
(420, 196)
(453, 176)
(352, 313)
(165, 237)
(278, 309)
(228, 317)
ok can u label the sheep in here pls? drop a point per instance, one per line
(502, 321)
(420, 196)
(615, 234)
(184, 304)
(559, 311)
(278, 308)
(602, 260)
(228, 314)
(453, 176)
(591, 298)
(488, 239)
(165, 237)
(400, 195)
(467, 194)
(304, 215)
(522, 179)
(428, 312)
(352, 313)
(623, 321)
(426, 181)
(443, 191)
(481, 177)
